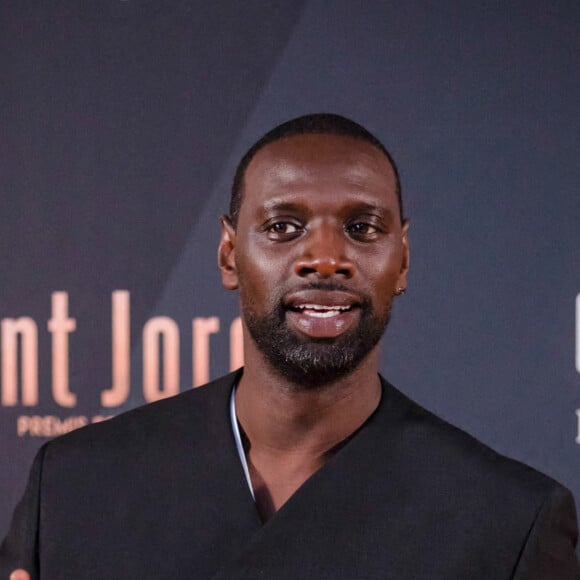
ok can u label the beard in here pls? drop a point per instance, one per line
(309, 362)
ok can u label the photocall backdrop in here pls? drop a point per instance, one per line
(122, 122)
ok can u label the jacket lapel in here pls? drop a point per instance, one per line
(223, 514)
(322, 527)
(408, 496)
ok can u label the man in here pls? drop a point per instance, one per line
(307, 464)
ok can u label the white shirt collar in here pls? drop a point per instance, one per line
(238, 440)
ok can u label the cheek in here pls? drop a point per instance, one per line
(265, 267)
(254, 276)
(260, 284)
(383, 281)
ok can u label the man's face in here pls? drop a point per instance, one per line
(318, 254)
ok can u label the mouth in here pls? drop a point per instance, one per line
(322, 314)
(320, 310)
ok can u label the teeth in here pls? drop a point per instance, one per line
(321, 308)
(324, 313)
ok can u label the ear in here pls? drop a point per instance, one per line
(405, 257)
(227, 254)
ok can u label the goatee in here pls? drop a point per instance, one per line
(314, 363)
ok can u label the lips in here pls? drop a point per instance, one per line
(320, 310)
(322, 314)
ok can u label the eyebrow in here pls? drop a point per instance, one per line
(371, 208)
(360, 206)
(278, 205)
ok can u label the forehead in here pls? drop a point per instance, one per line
(320, 163)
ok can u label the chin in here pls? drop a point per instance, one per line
(311, 363)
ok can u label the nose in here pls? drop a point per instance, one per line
(324, 255)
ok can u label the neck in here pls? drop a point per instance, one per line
(285, 418)
(291, 431)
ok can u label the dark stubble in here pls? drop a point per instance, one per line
(314, 363)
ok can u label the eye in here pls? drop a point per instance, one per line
(362, 230)
(283, 229)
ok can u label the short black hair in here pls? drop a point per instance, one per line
(317, 123)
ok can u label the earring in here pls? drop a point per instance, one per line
(400, 291)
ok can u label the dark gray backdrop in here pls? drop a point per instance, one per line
(122, 122)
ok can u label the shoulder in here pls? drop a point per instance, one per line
(460, 461)
(452, 477)
(181, 416)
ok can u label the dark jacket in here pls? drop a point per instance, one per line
(159, 492)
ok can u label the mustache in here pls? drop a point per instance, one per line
(325, 286)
